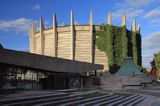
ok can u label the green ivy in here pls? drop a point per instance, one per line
(139, 49)
(118, 43)
(134, 44)
(124, 42)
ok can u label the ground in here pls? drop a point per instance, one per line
(152, 94)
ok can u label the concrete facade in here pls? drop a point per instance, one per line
(74, 42)
(116, 82)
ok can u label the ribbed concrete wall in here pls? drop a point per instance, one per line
(75, 42)
(101, 58)
(64, 45)
(37, 44)
(82, 44)
(48, 42)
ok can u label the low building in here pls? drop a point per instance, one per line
(27, 70)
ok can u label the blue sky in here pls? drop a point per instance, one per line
(16, 17)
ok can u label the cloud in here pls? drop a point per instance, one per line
(153, 13)
(36, 7)
(135, 3)
(155, 21)
(153, 16)
(18, 25)
(130, 13)
(150, 45)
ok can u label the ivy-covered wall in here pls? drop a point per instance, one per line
(118, 43)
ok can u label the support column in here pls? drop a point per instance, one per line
(42, 42)
(55, 36)
(110, 18)
(32, 38)
(134, 26)
(72, 37)
(91, 35)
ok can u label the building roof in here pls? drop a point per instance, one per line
(128, 67)
(45, 63)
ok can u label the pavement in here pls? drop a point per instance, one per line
(152, 94)
(150, 101)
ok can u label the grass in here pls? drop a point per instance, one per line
(91, 95)
(124, 94)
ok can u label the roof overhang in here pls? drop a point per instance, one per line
(45, 63)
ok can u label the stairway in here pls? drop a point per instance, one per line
(64, 99)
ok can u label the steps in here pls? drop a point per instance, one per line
(30, 100)
(64, 99)
(99, 101)
(54, 103)
(75, 103)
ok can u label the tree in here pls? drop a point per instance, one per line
(156, 63)
(1, 47)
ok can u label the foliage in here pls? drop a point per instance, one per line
(139, 49)
(142, 69)
(134, 45)
(124, 42)
(1, 47)
(104, 42)
(91, 95)
(156, 63)
(152, 63)
(118, 43)
(125, 94)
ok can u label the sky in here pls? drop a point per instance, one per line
(16, 17)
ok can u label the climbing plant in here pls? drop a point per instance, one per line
(104, 41)
(134, 46)
(139, 49)
(118, 43)
(124, 42)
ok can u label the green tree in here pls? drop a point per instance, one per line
(1, 47)
(156, 62)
